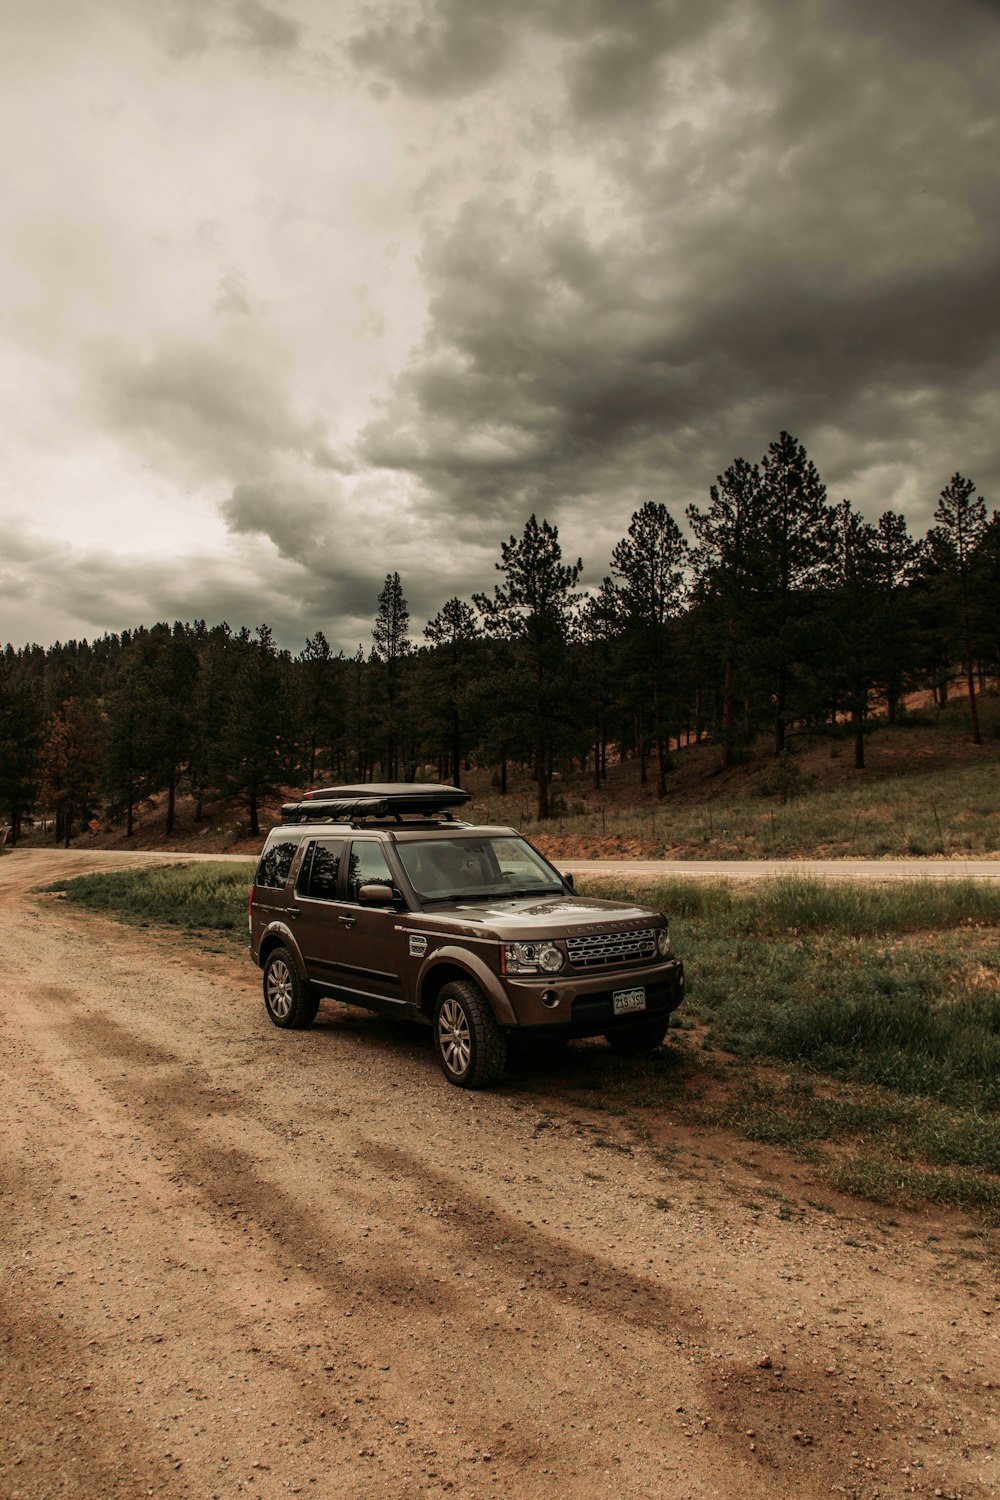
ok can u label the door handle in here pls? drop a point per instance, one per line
(347, 921)
(291, 911)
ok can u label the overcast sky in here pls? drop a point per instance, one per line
(294, 293)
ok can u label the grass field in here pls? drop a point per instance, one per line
(856, 1025)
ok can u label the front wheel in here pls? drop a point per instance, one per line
(288, 1000)
(471, 1047)
(638, 1037)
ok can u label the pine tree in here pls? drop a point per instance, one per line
(255, 742)
(128, 759)
(650, 566)
(453, 632)
(317, 668)
(392, 647)
(765, 550)
(723, 587)
(72, 762)
(896, 558)
(600, 637)
(962, 523)
(534, 608)
(21, 739)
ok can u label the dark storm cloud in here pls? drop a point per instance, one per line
(224, 408)
(189, 27)
(308, 531)
(266, 28)
(453, 47)
(293, 521)
(806, 240)
(456, 46)
(66, 592)
(622, 63)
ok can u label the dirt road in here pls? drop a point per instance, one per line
(242, 1260)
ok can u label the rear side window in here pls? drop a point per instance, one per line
(321, 868)
(275, 864)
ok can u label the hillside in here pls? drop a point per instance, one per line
(925, 790)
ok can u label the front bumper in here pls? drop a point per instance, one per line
(583, 1006)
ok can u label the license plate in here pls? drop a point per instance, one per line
(624, 1001)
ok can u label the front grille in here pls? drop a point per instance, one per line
(598, 949)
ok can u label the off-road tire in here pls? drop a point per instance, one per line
(290, 1002)
(638, 1037)
(471, 1047)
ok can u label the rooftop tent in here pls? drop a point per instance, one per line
(390, 799)
(399, 796)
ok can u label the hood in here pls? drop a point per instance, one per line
(551, 914)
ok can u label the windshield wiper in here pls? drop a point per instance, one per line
(536, 890)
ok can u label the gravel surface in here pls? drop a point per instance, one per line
(242, 1260)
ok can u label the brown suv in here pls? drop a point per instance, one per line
(380, 897)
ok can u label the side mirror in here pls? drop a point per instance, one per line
(568, 880)
(376, 895)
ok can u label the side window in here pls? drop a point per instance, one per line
(275, 864)
(368, 867)
(320, 869)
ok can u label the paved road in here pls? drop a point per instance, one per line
(631, 869)
(757, 869)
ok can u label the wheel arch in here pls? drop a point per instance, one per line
(448, 964)
(277, 937)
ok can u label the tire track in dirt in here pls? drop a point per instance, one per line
(308, 1255)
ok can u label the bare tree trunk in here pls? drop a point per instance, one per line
(727, 713)
(542, 780)
(661, 778)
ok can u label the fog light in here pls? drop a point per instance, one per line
(550, 998)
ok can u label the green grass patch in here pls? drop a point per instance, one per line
(881, 1000)
(896, 985)
(204, 896)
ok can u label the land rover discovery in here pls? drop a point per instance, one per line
(379, 896)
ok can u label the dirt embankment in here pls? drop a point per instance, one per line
(241, 1260)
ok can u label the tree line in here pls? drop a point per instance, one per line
(779, 613)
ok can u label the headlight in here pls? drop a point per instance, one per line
(531, 958)
(663, 941)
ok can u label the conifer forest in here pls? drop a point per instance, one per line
(769, 610)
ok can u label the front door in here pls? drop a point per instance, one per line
(352, 951)
(371, 948)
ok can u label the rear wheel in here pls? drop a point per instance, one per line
(471, 1047)
(638, 1036)
(290, 1002)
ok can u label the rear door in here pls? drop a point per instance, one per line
(316, 903)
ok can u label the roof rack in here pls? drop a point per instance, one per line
(376, 801)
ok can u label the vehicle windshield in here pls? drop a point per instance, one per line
(470, 868)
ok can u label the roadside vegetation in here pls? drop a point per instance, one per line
(206, 897)
(854, 1025)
